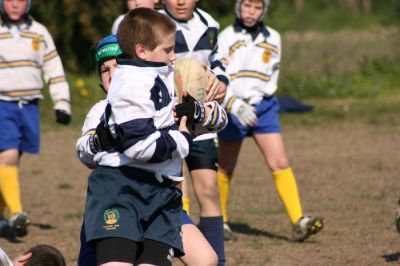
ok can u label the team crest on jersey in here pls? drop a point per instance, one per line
(266, 56)
(111, 217)
(212, 38)
(36, 44)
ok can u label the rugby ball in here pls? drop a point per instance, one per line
(190, 76)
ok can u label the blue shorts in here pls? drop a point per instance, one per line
(19, 126)
(131, 203)
(267, 122)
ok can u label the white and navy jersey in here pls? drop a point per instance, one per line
(141, 121)
(28, 58)
(198, 39)
(252, 65)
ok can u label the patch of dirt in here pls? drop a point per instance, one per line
(347, 173)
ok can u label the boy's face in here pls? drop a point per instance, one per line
(251, 11)
(106, 71)
(164, 52)
(15, 9)
(181, 9)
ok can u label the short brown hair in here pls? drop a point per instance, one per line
(45, 255)
(143, 26)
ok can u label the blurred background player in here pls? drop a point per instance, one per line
(196, 38)
(254, 110)
(197, 250)
(27, 56)
(131, 4)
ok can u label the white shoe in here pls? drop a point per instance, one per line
(306, 226)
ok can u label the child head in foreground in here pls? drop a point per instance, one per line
(147, 35)
(43, 255)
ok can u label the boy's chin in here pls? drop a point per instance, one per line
(16, 19)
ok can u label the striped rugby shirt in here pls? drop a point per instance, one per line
(28, 58)
(142, 99)
(252, 66)
(198, 39)
(216, 121)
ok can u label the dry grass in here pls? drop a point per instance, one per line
(335, 53)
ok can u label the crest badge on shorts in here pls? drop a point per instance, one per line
(111, 217)
(266, 56)
(36, 44)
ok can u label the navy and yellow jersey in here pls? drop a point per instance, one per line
(28, 58)
(252, 64)
(141, 97)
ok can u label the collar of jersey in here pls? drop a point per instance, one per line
(185, 21)
(139, 63)
(238, 27)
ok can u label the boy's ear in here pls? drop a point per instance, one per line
(140, 51)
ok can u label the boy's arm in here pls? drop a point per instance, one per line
(217, 66)
(84, 145)
(216, 120)
(53, 73)
(272, 84)
(244, 112)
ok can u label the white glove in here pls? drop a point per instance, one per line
(245, 113)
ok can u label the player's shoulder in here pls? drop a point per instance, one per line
(98, 108)
(35, 25)
(273, 33)
(123, 78)
(227, 31)
(210, 20)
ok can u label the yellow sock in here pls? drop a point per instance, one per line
(285, 183)
(9, 188)
(224, 186)
(186, 204)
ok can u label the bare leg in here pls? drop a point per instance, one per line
(197, 249)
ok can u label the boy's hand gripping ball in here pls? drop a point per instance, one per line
(190, 78)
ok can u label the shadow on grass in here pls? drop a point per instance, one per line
(43, 226)
(244, 228)
(392, 257)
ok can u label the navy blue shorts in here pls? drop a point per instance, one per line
(203, 154)
(267, 122)
(19, 126)
(131, 203)
(87, 251)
